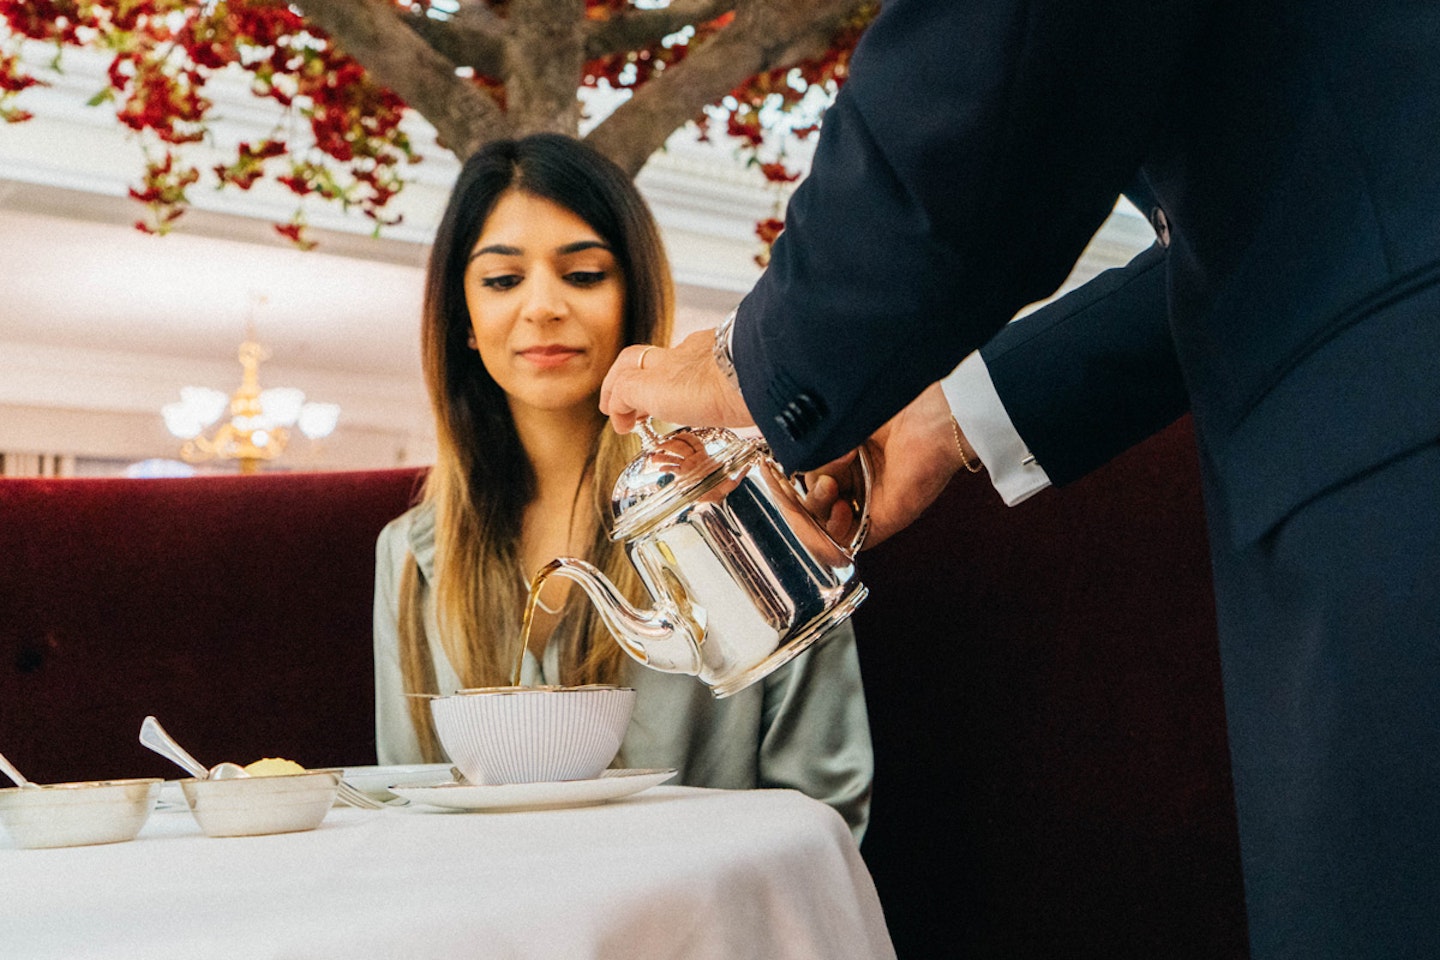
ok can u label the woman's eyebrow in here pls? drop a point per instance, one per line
(579, 245)
(505, 250)
(499, 248)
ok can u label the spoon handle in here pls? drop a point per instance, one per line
(13, 774)
(154, 736)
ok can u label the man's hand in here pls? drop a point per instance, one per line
(681, 385)
(912, 458)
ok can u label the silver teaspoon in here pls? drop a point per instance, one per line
(16, 775)
(154, 736)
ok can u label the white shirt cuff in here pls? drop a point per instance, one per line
(982, 417)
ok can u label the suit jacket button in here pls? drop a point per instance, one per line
(1161, 223)
(785, 419)
(800, 415)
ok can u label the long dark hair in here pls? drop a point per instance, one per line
(482, 479)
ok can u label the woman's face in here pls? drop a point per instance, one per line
(547, 303)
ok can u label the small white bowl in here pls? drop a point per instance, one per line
(77, 814)
(501, 735)
(251, 806)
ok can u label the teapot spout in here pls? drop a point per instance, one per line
(665, 638)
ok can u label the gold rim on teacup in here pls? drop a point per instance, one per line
(542, 688)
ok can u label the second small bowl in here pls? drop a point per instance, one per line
(252, 806)
(531, 734)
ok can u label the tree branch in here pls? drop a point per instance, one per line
(637, 29)
(473, 38)
(544, 57)
(764, 36)
(374, 34)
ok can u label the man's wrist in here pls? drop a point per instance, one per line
(969, 459)
(724, 357)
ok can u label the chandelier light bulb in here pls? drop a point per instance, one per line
(282, 405)
(318, 419)
(205, 404)
(181, 420)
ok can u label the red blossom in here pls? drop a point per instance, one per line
(297, 185)
(745, 126)
(266, 150)
(55, 20)
(778, 173)
(163, 191)
(249, 165)
(165, 51)
(12, 77)
(244, 179)
(294, 231)
(767, 230)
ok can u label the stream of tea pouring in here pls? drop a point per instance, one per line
(527, 619)
(584, 575)
(537, 583)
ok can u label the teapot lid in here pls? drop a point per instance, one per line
(672, 471)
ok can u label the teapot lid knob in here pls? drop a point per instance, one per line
(649, 439)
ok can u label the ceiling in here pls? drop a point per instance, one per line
(77, 274)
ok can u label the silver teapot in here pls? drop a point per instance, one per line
(742, 576)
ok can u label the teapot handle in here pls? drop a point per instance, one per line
(862, 521)
(860, 505)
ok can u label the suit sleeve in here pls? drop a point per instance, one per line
(973, 153)
(1093, 373)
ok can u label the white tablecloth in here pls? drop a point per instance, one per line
(674, 872)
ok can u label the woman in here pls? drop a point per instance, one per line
(545, 266)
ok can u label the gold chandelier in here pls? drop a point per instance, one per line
(259, 422)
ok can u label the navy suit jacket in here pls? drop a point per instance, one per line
(1075, 416)
(1293, 148)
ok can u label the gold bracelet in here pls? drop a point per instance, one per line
(974, 466)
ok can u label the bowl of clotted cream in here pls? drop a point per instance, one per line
(276, 796)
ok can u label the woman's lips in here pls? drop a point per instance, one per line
(551, 356)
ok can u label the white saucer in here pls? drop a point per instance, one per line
(610, 785)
